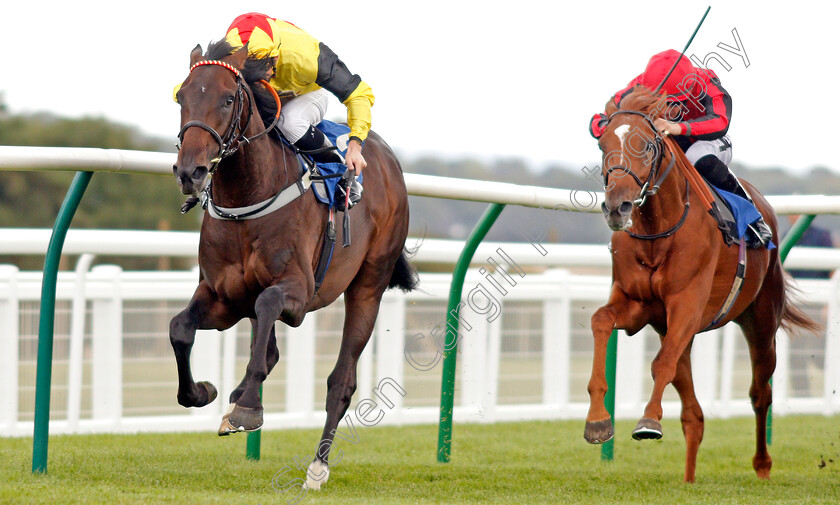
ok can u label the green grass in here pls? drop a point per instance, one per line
(522, 463)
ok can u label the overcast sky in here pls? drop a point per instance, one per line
(452, 78)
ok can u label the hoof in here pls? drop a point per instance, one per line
(647, 429)
(317, 474)
(206, 393)
(238, 418)
(598, 432)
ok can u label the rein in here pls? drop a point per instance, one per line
(651, 186)
(234, 136)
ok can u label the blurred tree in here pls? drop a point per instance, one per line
(114, 201)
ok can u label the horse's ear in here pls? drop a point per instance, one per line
(238, 58)
(195, 55)
(610, 107)
(662, 109)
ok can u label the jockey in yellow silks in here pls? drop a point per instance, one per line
(308, 69)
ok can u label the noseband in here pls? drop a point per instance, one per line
(234, 136)
(648, 188)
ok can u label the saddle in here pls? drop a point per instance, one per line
(734, 215)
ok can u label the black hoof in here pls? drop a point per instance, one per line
(205, 394)
(647, 429)
(598, 432)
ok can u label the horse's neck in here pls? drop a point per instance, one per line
(664, 209)
(256, 172)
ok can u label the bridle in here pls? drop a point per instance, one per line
(651, 185)
(647, 189)
(234, 136)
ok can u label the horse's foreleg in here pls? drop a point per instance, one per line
(246, 414)
(361, 309)
(618, 313)
(203, 311)
(683, 319)
(692, 414)
(272, 357)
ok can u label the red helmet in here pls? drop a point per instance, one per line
(658, 67)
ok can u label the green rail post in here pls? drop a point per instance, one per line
(607, 448)
(46, 324)
(790, 240)
(450, 351)
(252, 446)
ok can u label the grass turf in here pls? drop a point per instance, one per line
(528, 462)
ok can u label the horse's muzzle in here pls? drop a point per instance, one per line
(618, 219)
(191, 182)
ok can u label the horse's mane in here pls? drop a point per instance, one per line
(253, 71)
(639, 99)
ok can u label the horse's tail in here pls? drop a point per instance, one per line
(405, 275)
(793, 316)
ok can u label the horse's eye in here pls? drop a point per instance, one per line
(229, 101)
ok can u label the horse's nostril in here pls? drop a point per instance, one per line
(199, 173)
(625, 208)
(175, 169)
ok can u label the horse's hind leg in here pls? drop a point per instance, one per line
(760, 332)
(361, 302)
(203, 311)
(692, 414)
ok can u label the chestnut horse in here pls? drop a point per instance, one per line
(672, 270)
(263, 268)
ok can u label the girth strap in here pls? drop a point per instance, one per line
(737, 284)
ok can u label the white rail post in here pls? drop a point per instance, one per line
(831, 370)
(205, 361)
(704, 366)
(473, 349)
(390, 357)
(494, 356)
(630, 370)
(9, 342)
(782, 373)
(300, 368)
(228, 380)
(727, 369)
(107, 340)
(557, 313)
(77, 344)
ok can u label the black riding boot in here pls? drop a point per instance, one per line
(716, 172)
(316, 144)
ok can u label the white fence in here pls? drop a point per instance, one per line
(113, 368)
(524, 355)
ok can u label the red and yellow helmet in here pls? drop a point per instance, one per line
(257, 30)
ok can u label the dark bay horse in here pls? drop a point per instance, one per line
(263, 268)
(672, 270)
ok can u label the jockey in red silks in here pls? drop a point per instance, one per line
(699, 116)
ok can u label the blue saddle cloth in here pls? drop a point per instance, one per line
(339, 135)
(743, 211)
